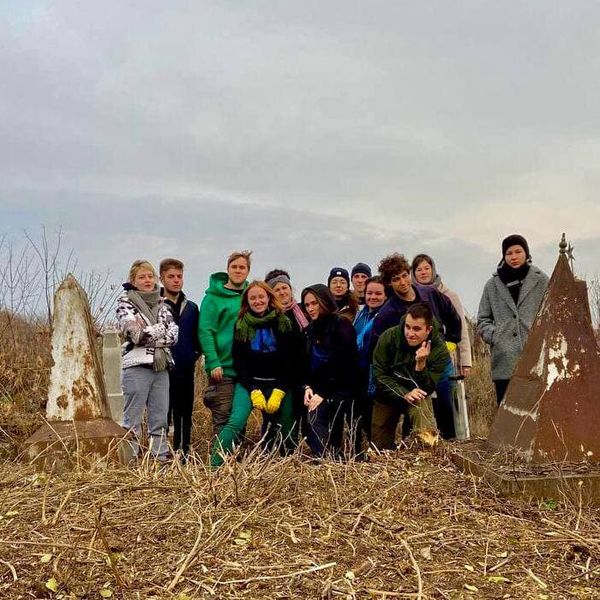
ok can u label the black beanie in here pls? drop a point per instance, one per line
(338, 272)
(361, 268)
(515, 240)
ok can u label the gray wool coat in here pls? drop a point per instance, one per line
(504, 325)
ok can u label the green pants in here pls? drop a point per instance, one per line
(386, 418)
(241, 407)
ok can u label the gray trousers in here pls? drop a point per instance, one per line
(144, 388)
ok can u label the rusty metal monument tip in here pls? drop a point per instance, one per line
(79, 427)
(550, 412)
(544, 441)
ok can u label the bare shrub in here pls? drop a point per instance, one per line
(481, 398)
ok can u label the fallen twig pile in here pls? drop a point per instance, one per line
(404, 525)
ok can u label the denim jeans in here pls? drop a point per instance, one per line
(325, 428)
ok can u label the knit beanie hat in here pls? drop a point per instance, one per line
(361, 268)
(515, 240)
(338, 272)
(278, 279)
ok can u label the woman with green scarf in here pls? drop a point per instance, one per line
(149, 330)
(264, 353)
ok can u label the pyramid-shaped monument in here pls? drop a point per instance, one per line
(551, 410)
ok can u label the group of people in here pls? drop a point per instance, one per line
(339, 368)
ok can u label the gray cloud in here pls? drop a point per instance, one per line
(109, 232)
(342, 126)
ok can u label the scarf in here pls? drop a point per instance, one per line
(148, 303)
(513, 278)
(248, 323)
(299, 315)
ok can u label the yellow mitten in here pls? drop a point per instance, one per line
(258, 399)
(451, 346)
(274, 401)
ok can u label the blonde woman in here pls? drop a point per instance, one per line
(149, 330)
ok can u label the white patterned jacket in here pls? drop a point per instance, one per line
(141, 338)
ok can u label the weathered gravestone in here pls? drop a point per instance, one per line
(79, 428)
(545, 437)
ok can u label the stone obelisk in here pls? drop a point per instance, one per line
(79, 428)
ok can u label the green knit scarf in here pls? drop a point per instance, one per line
(246, 327)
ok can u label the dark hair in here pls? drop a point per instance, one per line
(418, 259)
(420, 310)
(169, 263)
(375, 279)
(319, 291)
(273, 302)
(276, 273)
(391, 265)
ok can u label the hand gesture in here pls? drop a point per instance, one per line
(415, 396)
(422, 354)
(423, 351)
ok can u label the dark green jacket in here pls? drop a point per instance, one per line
(218, 314)
(394, 365)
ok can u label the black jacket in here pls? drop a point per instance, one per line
(187, 349)
(332, 358)
(281, 364)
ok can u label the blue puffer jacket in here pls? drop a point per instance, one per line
(187, 349)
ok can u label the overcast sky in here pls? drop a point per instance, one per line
(316, 133)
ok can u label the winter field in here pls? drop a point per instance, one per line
(405, 524)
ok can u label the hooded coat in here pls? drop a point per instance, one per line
(505, 325)
(332, 352)
(464, 346)
(218, 314)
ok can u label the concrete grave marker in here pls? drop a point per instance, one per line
(79, 426)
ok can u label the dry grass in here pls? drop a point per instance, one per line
(481, 395)
(405, 525)
(24, 377)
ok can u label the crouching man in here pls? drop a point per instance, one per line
(408, 362)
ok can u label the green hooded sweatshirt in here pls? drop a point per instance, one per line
(394, 364)
(218, 314)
